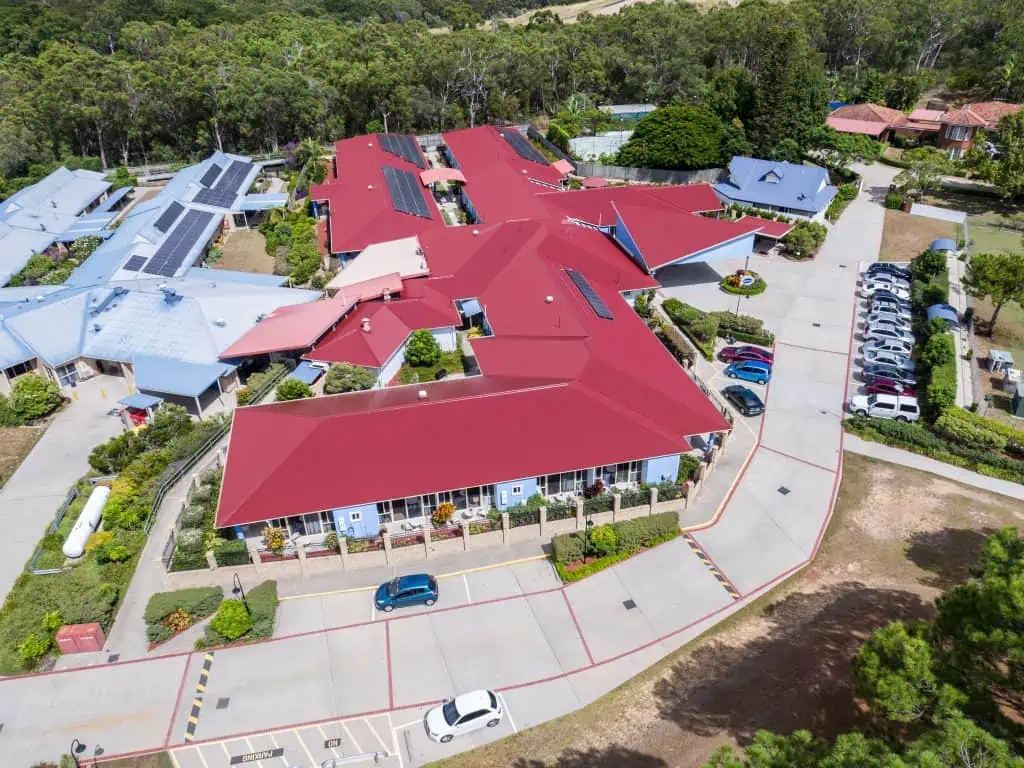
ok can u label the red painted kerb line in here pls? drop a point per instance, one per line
(177, 700)
(576, 623)
(734, 606)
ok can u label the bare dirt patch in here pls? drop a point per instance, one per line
(15, 444)
(898, 538)
(244, 251)
(905, 236)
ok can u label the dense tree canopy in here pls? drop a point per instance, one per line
(159, 80)
(675, 137)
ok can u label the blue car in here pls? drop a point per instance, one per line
(750, 370)
(419, 588)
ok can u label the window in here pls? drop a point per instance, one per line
(413, 507)
(67, 375)
(553, 484)
(429, 503)
(384, 511)
(459, 499)
(517, 490)
(355, 517)
(958, 132)
(908, 408)
(18, 370)
(634, 471)
(473, 716)
(622, 473)
(542, 485)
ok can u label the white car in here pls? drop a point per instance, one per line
(891, 345)
(871, 286)
(887, 322)
(884, 278)
(896, 407)
(883, 333)
(891, 314)
(889, 358)
(463, 714)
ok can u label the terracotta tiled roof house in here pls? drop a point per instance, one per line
(868, 119)
(960, 126)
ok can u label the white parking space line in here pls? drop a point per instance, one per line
(465, 580)
(509, 713)
(174, 760)
(394, 742)
(353, 738)
(252, 749)
(276, 745)
(224, 746)
(407, 725)
(202, 758)
(324, 735)
(373, 611)
(305, 749)
(369, 724)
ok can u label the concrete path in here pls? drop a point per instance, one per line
(923, 463)
(30, 499)
(347, 680)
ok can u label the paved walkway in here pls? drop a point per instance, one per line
(923, 463)
(547, 649)
(30, 499)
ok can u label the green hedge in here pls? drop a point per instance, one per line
(262, 601)
(669, 491)
(687, 467)
(758, 287)
(232, 552)
(639, 497)
(583, 571)
(597, 504)
(632, 535)
(198, 603)
(702, 327)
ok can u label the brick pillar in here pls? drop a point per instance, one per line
(616, 506)
(580, 522)
(465, 534)
(343, 551)
(504, 527)
(386, 538)
(543, 517)
(300, 550)
(654, 501)
(211, 560)
(254, 551)
(426, 541)
(692, 489)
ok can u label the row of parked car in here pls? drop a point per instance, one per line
(887, 353)
(747, 363)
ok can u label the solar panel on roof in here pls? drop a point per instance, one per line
(211, 175)
(171, 254)
(169, 216)
(406, 192)
(223, 193)
(523, 147)
(595, 302)
(134, 264)
(403, 146)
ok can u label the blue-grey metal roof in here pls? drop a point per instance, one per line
(945, 311)
(12, 351)
(113, 199)
(777, 184)
(140, 401)
(89, 225)
(306, 372)
(264, 202)
(943, 244)
(17, 246)
(231, 276)
(173, 377)
(51, 326)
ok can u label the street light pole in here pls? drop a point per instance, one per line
(77, 748)
(586, 537)
(237, 591)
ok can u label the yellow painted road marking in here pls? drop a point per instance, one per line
(354, 590)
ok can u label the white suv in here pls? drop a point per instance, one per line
(886, 407)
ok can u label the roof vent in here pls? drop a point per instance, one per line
(220, 322)
(476, 232)
(524, 171)
(369, 186)
(422, 394)
(53, 203)
(96, 327)
(366, 325)
(387, 295)
(549, 299)
(369, 144)
(40, 298)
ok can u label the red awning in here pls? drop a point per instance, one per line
(563, 166)
(595, 183)
(434, 175)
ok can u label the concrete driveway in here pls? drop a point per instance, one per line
(546, 649)
(32, 496)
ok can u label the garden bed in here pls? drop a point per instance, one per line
(580, 570)
(612, 544)
(412, 374)
(732, 284)
(168, 614)
(234, 625)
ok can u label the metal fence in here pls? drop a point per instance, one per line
(367, 544)
(54, 525)
(561, 512)
(649, 175)
(483, 526)
(406, 540)
(635, 498)
(446, 532)
(525, 517)
(595, 504)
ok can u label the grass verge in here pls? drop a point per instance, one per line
(450, 361)
(15, 444)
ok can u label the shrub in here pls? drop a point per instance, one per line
(330, 541)
(630, 536)
(97, 540)
(705, 329)
(113, 552)
(928, 264)
(262, 601)
(203, 494)
(197, 603)
(177, 621)
(687, 467)
(758, 287)
(422, 349)
(940, 393)
(52, 621)
(117, 453)
(190, 541)
(567, 547)
(938, 350)
(33, 648)
(192, 517)
(232, 619)
(232, 552)
(33, 396)
(348, 378)
(970, 429)
(293, 389)
(669, 491)
(444, 513)
(274, 539)
(894, 201)
(8, 416)
(804, 240)
(243, 395)
(730, 321)
(603, 539)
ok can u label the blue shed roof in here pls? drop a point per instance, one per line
(12, 351)
(777, 184)
(140, 401)
(161, 374)
(943, 244)
(231, 276)
(264, 202)
(306, 372)
(115, 197)
(945, 311)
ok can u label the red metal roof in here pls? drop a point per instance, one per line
(870, 112)
(552, 364)
(927, 115)
(300, 325)
(768, 227)
(866, 127)
(563, 166)
(984, 114)
(595, 183)
(596, 206)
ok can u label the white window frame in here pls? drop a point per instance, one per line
(517, 490)
(355, 517)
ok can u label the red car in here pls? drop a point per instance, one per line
(883, 386)
(736, 354)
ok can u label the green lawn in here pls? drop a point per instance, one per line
(450, 361)
(988, 239)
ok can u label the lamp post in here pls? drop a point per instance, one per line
(586, 537)
(77, 748)
(237, 591)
